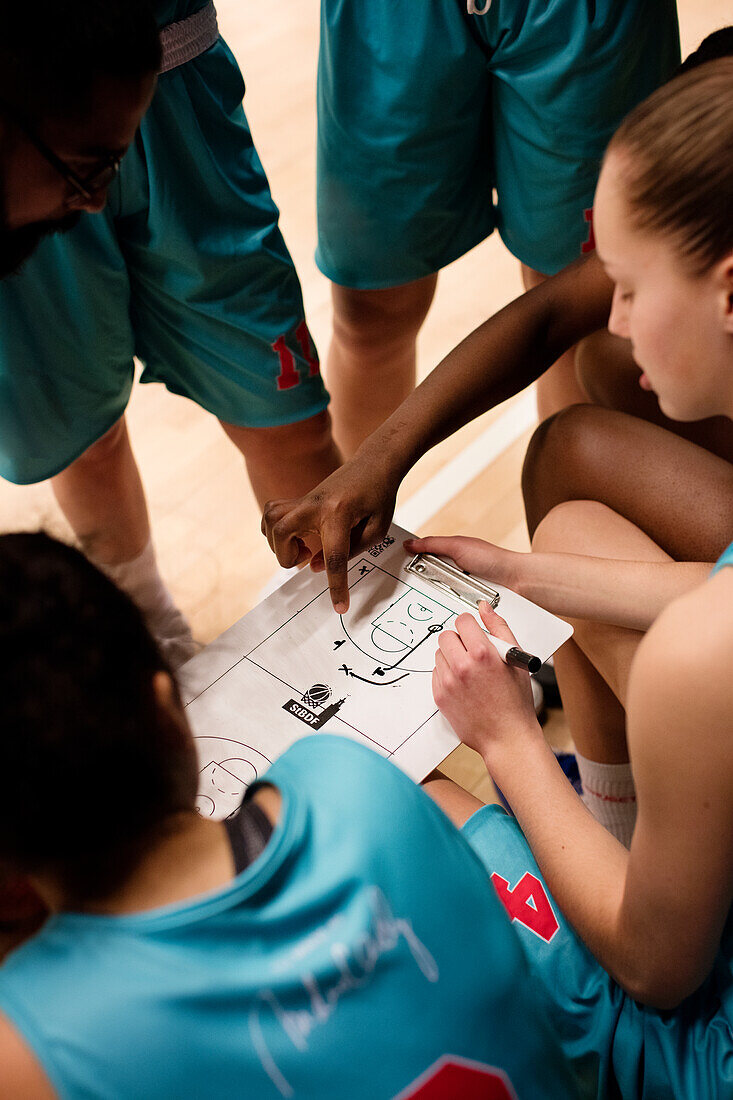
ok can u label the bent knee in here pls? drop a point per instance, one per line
(560, 445)
(565, 526)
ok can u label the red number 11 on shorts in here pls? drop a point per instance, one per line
(289, 376)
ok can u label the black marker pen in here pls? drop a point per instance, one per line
(514, 656)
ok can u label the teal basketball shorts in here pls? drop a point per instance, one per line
(619, 1047)
(186, 268)
(435, 126)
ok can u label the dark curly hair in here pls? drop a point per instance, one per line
(93, 767)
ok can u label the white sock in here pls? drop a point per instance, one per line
(142, 581)
(610, 795)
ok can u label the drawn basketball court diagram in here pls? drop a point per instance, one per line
(395, 637)
(292, 667)
(228, 768)
(375, 658)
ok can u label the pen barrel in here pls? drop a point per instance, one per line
(517, 658)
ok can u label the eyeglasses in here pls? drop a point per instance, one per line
(85, 187)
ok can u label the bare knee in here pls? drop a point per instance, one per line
(107, 448)
(368, 319)
(561, 444)
(307, 437)
(565, 528)
(454, 801)
(286, 441)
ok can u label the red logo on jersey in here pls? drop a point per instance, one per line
(452, 1077)
(590, 244)
(529, 904)
(289, 375)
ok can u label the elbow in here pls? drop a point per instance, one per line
(654, 994)
(660, 988)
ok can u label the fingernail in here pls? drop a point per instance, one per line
(340, 608)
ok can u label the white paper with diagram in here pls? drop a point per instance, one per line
(292, 666)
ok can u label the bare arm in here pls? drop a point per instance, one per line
(622, 593)
(500, 358)
(575, 586)
(21, 1075)
(653, 917)
(354, 506)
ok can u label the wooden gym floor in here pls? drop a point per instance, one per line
(205, 520)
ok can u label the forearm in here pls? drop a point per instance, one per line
(584, 866)
(622, 593)
(499, 359)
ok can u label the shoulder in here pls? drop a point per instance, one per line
(21, 1075)
(342, 769)
(693, 637)
(679, 680)
(348, 780)
(335, 754)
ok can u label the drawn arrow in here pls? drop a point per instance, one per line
(384, 683)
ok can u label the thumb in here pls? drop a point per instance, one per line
(446, 546)
(495, 624)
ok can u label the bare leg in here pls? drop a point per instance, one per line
(593, 668)
(102, 497)
(288, 460)
(559, 386)
(679, 494)
(593, 713)
(609, 375)
(371, 361)
(455, 803)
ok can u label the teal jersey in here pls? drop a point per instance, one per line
(618, 1048)
(363, 955)
(689, 1049)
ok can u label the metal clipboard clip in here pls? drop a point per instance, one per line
(441, 574)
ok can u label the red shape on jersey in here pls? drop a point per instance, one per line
(529, 904)
(590, 244)
(288, 376)
(303, 336)
(452, 1077)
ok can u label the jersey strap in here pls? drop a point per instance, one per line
(249, 831)
(186, 39)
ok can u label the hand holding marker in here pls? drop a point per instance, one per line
(512, 654)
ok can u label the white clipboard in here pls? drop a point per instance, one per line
(292, 667)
